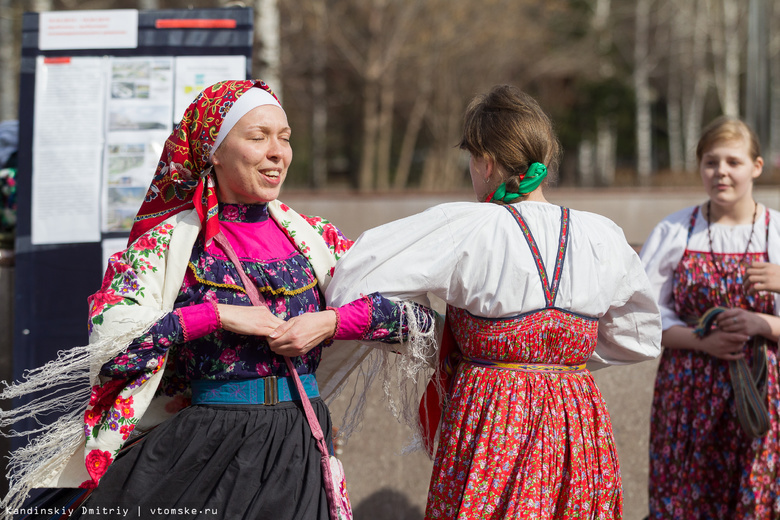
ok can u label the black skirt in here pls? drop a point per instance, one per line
(220, 462)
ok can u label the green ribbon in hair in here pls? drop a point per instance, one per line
(536, 173)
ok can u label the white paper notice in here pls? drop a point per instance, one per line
(140, 114)
(109, 29)
(67, 149)
(194, 73)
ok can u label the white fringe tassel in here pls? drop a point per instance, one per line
(404, 371)
(67, 382)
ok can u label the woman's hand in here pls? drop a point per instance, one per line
(741, 321)
(762, 276)
(298, 335)
(254, 320)
(724, 345)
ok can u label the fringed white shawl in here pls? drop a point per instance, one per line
(59, 456)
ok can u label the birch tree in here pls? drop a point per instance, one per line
(267, 39)
(726, 34)
(774, 86)
(371, 38)
(674, 120)
(414, 124)
(695, 80)
(642, 90)
(757, 89)
(9, 63)
(606, 140)
(148, 4)
(319, 109)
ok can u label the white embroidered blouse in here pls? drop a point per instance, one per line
(474, 256)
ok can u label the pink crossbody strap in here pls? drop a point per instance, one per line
(314, 424)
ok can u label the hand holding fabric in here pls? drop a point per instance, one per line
(742, 321)
(724, 345)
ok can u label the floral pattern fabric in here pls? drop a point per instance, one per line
(7, 200)
(289, 285)
(520, 444)
(290, 289)
(516, 444)
(702, 464)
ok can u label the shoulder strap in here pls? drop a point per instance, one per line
(766, 225)
(550, 286)
(692, 224)
(257, 299)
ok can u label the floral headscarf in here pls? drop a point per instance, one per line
(182, 179)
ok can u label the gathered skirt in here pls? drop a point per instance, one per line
(525, 446)
(237, 462)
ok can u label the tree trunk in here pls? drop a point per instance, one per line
(732, 65)
(693, 111)
(413, 126)
(450, 173)
(372, 74)
(9, 64)
(724, 34)
(674, 126)
(642, 89)
(370, 126)
(606, 148)
(267, 37)
(674, 91)
(148, 5)
(319, 100)
(586, 163)
(774, 96)
(757, 95)
(695, 90)
(385, 130)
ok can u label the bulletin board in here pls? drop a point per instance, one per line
(99, 93)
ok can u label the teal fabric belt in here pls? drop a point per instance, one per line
(269, 390)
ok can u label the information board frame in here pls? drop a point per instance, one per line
(53, 280)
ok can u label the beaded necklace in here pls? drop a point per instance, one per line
(716, 264)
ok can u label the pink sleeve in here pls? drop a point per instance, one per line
(198, 320)
(353, 319)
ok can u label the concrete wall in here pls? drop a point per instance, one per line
(384, 484)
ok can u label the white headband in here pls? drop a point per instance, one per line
(249, 100)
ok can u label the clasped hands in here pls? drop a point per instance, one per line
(293, 338)
(734, 327)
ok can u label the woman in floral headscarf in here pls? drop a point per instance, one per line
(172, 325)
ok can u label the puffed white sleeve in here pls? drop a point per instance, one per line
(404, 260)
(630, 330)
(660, 255)
(773, 247)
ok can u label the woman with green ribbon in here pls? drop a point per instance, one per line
(511, 150)
(536, 296)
